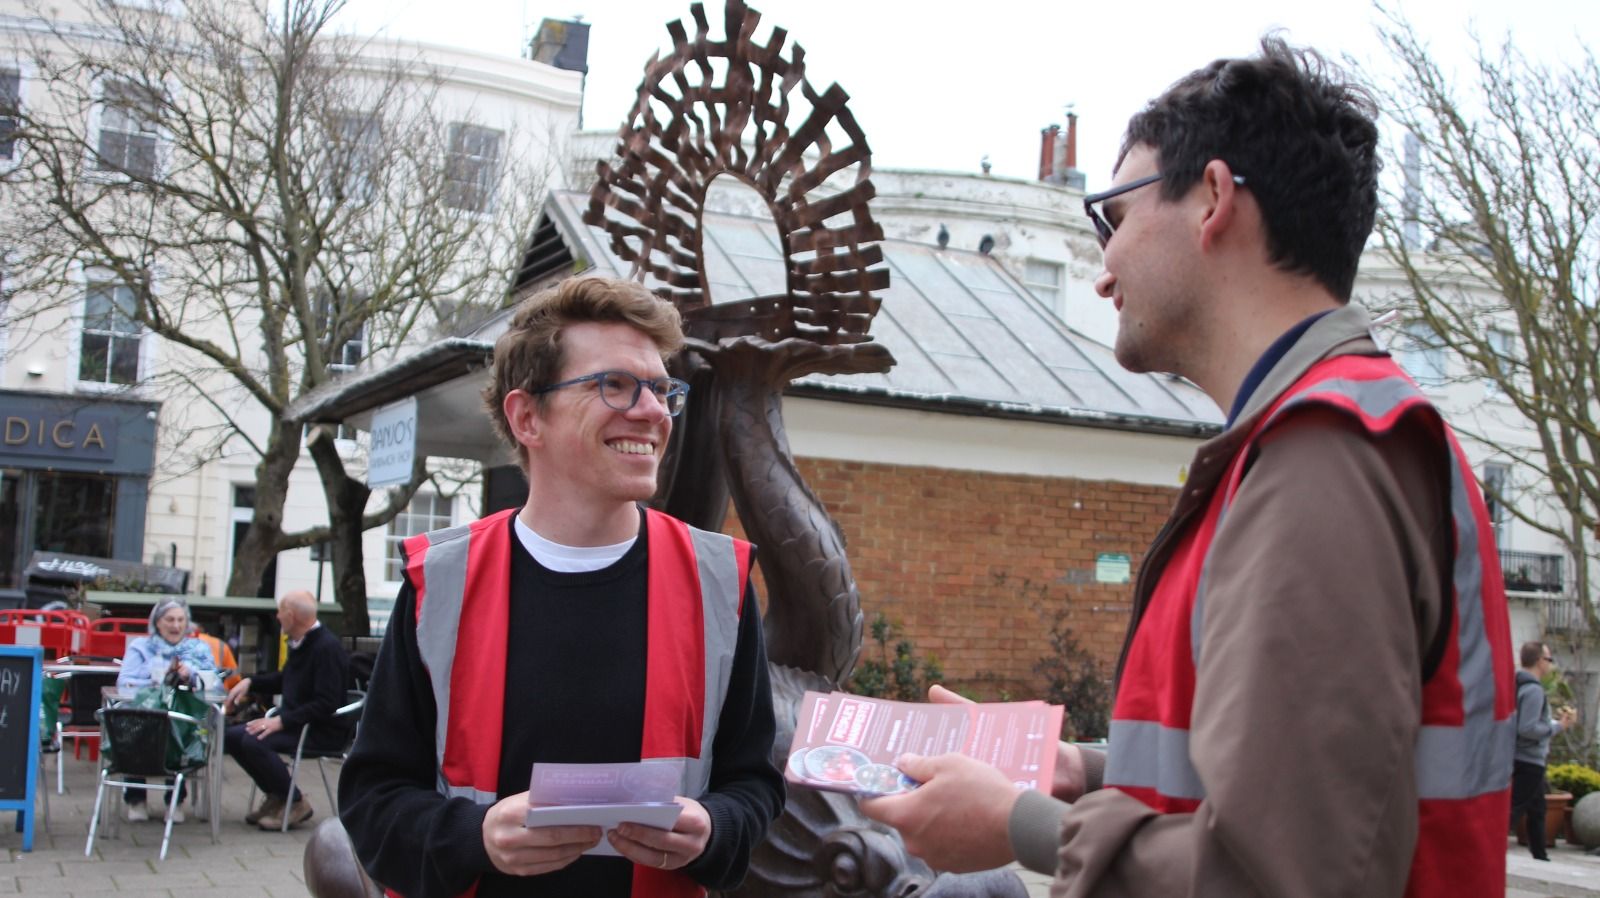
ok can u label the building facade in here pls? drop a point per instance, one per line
(112, 449)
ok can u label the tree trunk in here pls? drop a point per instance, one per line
(260, 544)
(347, 502)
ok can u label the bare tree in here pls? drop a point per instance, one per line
(274, 202)
(1498, 241)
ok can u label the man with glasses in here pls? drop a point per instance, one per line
(1315, 696)
(1535, 727)
(580, 628)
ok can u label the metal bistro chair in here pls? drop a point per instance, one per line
(348, 715)
(137, 740)
(80, 722)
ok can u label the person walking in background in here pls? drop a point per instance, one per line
(1315, 696)
(168, 653)
(1535, 727)
(313, 683)
(581, 628)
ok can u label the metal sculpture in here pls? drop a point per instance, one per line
(733, 107)
(730, 106)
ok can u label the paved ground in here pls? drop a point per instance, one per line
(247, 862)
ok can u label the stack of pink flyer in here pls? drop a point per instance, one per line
(848, 743)
(605, 795)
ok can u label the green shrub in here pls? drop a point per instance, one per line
(1074, 680)
(1574, 778)
(903, 676)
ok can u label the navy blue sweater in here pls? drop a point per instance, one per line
(313, 683)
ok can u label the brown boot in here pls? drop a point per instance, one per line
(299, 812)
(272, 805)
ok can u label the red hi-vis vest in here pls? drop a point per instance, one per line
(462, 578)
(1464, 747)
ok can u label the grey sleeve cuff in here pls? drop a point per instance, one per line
(1094, 769)
(1035, 831)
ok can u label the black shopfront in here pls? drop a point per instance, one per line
(74, 477)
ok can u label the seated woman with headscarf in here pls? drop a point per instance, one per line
(169, 650)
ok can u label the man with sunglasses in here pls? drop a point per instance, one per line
(1315, 696)
(1535, 728)
(580, 628)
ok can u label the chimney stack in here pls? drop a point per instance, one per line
(565, 45)
(1058, 154)
(1047, 151)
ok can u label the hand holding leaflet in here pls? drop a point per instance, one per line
(848, 743)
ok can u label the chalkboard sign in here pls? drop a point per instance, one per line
(20, 668)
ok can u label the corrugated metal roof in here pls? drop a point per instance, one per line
(966, 336)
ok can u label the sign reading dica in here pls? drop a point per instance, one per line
(394, 443)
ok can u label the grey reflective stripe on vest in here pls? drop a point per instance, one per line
(1145, 753)
(719, 596)
(445, 577)
(1474, 758)
(1450, 762)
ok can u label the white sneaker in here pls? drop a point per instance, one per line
(176, 814)
(137, 813)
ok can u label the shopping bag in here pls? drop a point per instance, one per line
(50, 690)
(189, 743)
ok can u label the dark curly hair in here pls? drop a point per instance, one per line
(1301, 134)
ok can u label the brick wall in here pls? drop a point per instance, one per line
(973, 566)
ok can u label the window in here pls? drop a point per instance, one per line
(111, 338)
(1043, 280)
(350, 353)
(10, 111)
(1422, 355)
(239, 517)
(353, 154)
(1504, 347)
(427, 511)
(472, 167)
(128, 138)
(74, 513)
(1496, 483)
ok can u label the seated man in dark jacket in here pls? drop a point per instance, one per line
(312, 683)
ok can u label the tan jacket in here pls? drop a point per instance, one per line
(1326, 585)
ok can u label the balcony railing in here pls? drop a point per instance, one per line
(1532, 572)
(1565, 616)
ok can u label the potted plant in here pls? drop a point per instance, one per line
(1577, 781)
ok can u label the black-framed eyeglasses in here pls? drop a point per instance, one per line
(620, 390)
(1103, 228)
(1550, 659)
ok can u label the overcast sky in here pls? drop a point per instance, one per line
(940, 85)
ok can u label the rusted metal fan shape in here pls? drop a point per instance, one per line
(724, 106)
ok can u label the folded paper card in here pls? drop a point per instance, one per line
(605, 795)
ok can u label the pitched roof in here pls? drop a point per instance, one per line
(966, 336)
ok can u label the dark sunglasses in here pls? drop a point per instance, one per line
(1104, 228)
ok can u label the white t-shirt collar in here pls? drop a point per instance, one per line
(570, 559)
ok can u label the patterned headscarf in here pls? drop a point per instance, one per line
(162, 607)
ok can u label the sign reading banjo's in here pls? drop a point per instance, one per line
(394, 444)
